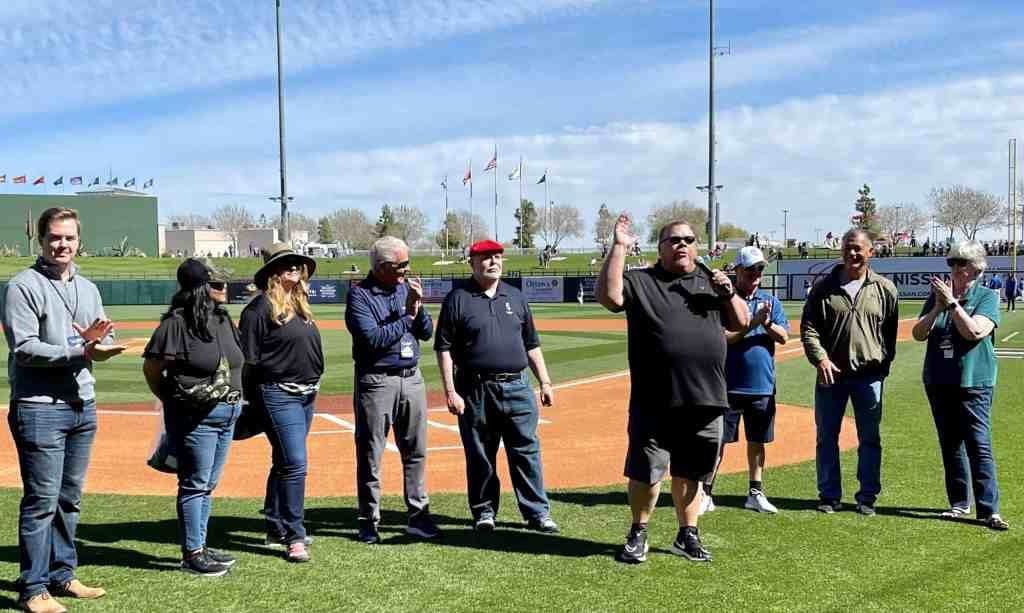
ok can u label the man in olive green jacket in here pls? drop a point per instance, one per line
(848, 330)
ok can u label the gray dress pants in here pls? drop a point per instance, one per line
(382, 403)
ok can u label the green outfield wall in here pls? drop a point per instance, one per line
(106, 219)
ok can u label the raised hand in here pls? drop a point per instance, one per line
(943, 292)
(623, 231)
(414, 298)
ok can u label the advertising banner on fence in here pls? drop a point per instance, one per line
(327, 291)
(434, 290)
(543, 289)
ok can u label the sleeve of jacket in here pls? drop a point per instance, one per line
(810, 327)
(891, 324)
(423, 325)
(363, 326)
(21, 318)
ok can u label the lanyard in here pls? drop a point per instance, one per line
(63, 297)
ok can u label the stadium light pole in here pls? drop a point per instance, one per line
(785, 227)
(712, 214)
(711, 186)
(284, 199)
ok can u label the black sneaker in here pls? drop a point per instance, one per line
(201, 564)
(220, 557)
(423, 526)
(368, 532)
(635, 549)
(687, 545)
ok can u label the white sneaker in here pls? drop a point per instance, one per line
(757, 501)
(707, 504)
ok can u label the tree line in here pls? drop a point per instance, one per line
(535, 226)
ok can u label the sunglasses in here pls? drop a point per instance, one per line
(217, 285)
(399, 265)
(952, 262)
(675, 240)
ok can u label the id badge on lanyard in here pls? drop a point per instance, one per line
(406, 351)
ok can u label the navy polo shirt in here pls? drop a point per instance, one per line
(375, 317)
(486, 334)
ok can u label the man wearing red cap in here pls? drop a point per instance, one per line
(485, 339)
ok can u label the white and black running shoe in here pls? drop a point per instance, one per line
(635, 549)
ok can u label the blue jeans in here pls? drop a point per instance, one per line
(202, 442)
(497, 412)
(290, 416)
(53, 442)
(963, 421)
(829, 407)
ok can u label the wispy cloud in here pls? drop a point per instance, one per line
(106, 51)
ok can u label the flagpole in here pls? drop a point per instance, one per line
(445, 184)
(547, 207)
(471, 200)
(522, 215)
(496, 193)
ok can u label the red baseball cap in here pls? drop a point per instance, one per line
(486, 247)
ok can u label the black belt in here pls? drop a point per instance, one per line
(497, 377)
(392, 372)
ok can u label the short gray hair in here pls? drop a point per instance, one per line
(384, 250)
(972, 251)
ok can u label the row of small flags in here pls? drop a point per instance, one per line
(22, 179)
(493, 165)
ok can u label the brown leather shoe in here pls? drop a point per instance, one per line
(42, 603)
(77, 589)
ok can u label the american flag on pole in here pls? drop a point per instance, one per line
(492, 164)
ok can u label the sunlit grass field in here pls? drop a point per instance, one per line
(904, 559)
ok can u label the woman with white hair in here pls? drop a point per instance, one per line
(958, 321)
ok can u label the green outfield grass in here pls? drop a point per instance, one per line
(904, 559)
(243, 268)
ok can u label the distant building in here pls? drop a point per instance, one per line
(197, 241)
(108, 217)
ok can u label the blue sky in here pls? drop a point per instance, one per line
(385, 97)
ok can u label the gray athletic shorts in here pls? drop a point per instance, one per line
(684, 441)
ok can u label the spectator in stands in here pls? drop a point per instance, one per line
(959, 321)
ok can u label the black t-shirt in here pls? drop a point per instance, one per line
(486, 334)
(676, 342)
(291, 353)
(190, 359)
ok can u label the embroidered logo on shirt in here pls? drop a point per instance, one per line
(508, 309)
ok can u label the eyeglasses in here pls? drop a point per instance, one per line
(952, 262)
(217, 285)
(675, 240)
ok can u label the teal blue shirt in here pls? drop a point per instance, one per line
(950, 357)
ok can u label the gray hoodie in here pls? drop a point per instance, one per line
(47, 360)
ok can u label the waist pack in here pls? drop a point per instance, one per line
(207, 394)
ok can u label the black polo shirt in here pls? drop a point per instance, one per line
(486, 334)
(676, 342)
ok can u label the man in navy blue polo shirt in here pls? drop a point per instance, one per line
(485, 340)
(386, 318)
(750, 377)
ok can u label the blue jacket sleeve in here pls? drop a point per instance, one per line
(364, 327)
(423, 325)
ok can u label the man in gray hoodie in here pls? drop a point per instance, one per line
(56, 328)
